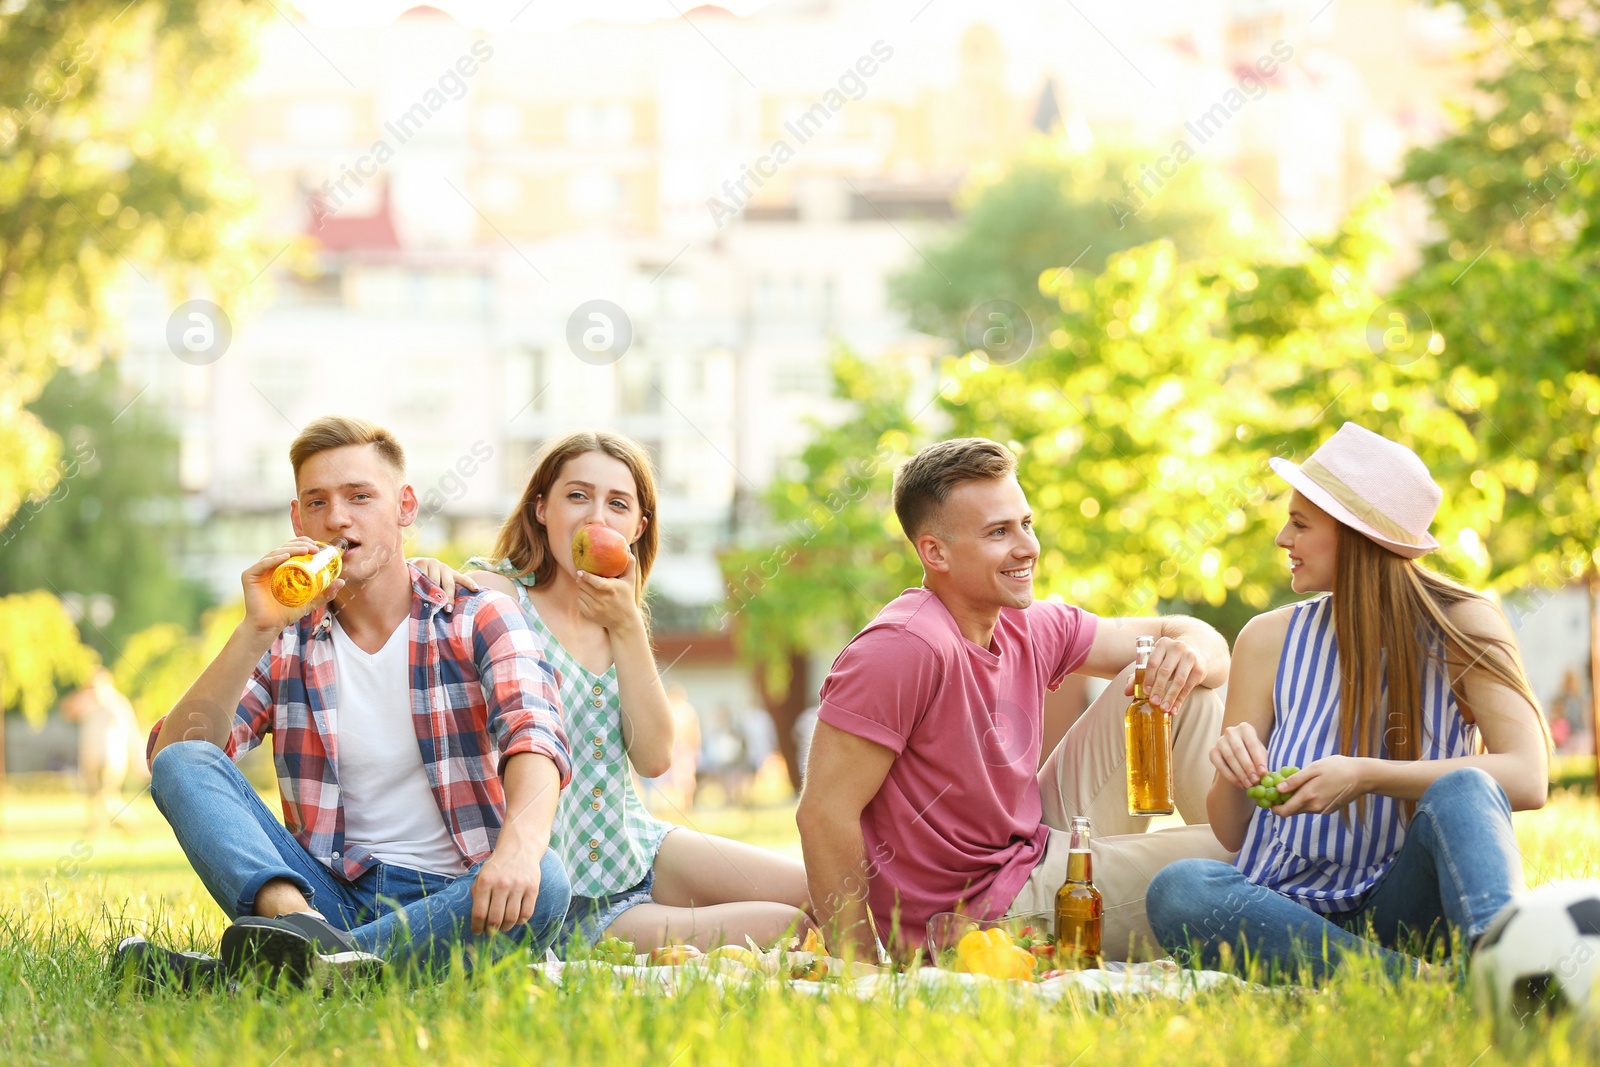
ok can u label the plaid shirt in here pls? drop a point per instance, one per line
(457, 651)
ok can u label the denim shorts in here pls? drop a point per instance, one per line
(588, 917)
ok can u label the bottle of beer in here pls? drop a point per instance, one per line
(301, 579)
(1078, 904)
(1149, 736)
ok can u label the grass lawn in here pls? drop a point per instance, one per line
(65, 900)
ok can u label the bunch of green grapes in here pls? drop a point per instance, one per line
(1266, 794)
(615, 951)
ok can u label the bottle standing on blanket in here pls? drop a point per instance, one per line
(1149, 735)
(299, 580)
(1078, 903)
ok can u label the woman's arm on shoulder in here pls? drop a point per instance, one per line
(498, 582)
(1240, 754)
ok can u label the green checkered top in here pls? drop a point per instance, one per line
(603, 834)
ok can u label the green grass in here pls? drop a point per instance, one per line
(64, 900)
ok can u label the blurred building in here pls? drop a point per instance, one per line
(448, 196)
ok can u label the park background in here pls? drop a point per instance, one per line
(1146, 245)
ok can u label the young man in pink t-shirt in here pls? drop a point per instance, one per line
(924, 788)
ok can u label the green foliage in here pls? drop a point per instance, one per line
(1051, 207)
(109, 163)
(1518, 172)
(111, 523)
(839, 554)
(159, 663)
(39, 654)
(1510, 287)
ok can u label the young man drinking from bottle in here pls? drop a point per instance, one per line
(418, 743)
(924, 790)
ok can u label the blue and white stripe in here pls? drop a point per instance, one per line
(1326, 862)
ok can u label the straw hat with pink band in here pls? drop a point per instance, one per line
(1372, 485)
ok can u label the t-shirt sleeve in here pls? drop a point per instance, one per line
(880, 687)
(1062, 635)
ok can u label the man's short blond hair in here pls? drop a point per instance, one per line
(337, 431)
(924, 481)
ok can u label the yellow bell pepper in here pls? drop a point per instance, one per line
(992, 953)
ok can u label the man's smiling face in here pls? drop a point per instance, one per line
(986, 530)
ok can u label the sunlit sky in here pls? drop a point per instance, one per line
(496, 14)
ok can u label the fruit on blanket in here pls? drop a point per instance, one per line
(738, 954)
(992, 953)
(673, 955)
(814, 943)
(808, 967)
(616, 951)
(1266, 794)
(599, 549)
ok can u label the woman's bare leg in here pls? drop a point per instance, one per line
(709, 891)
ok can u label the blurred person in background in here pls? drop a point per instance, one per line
(109, 746)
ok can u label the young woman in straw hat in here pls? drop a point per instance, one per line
(1401, 698)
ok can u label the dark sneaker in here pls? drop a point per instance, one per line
(150, 967)
(305, 948)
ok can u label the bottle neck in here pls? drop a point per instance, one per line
(1080, 867)
(1138, 684)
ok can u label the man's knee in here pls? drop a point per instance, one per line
(178, 762)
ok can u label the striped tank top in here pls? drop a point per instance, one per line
(1326, 862)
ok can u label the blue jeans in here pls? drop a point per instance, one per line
(1457, 867)
(405, 916)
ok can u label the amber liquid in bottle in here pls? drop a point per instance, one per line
(1078, 904)
(299, 580)
(1149, 739)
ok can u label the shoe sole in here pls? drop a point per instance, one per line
(269, 952)
(151, 967)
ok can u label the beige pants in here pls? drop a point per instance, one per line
(1087, 774)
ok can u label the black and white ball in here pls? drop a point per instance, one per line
(1541, 955)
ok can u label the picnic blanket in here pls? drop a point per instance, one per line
(1163, 978)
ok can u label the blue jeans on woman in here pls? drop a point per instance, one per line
(405, 916)
(1457, 867)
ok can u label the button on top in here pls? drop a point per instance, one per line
(594, 842)
(598, 790)
(598, 702)
(593, 856)
(595, 804)
(599, 755)
(598, 740)
(597, 690)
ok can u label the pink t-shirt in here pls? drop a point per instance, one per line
(957, 817)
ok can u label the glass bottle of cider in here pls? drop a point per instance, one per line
(1149, 736)
(1078, 904)
(301, 579)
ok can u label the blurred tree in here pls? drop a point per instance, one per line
(1510, 286)
(40, 656)
(112, 526)
(1052, 207)
(836, 555)
(160, 662)
(110, 166)
(1518, 172)
(1144, 423)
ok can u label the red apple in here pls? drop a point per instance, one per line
(599, 549)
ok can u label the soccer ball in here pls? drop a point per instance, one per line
(1541, 955)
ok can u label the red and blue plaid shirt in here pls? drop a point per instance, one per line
(481, 692)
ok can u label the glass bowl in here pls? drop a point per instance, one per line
(946, 927)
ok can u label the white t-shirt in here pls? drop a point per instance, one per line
(388, 806)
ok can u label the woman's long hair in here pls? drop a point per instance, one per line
(1390, 619)
(523, 539)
